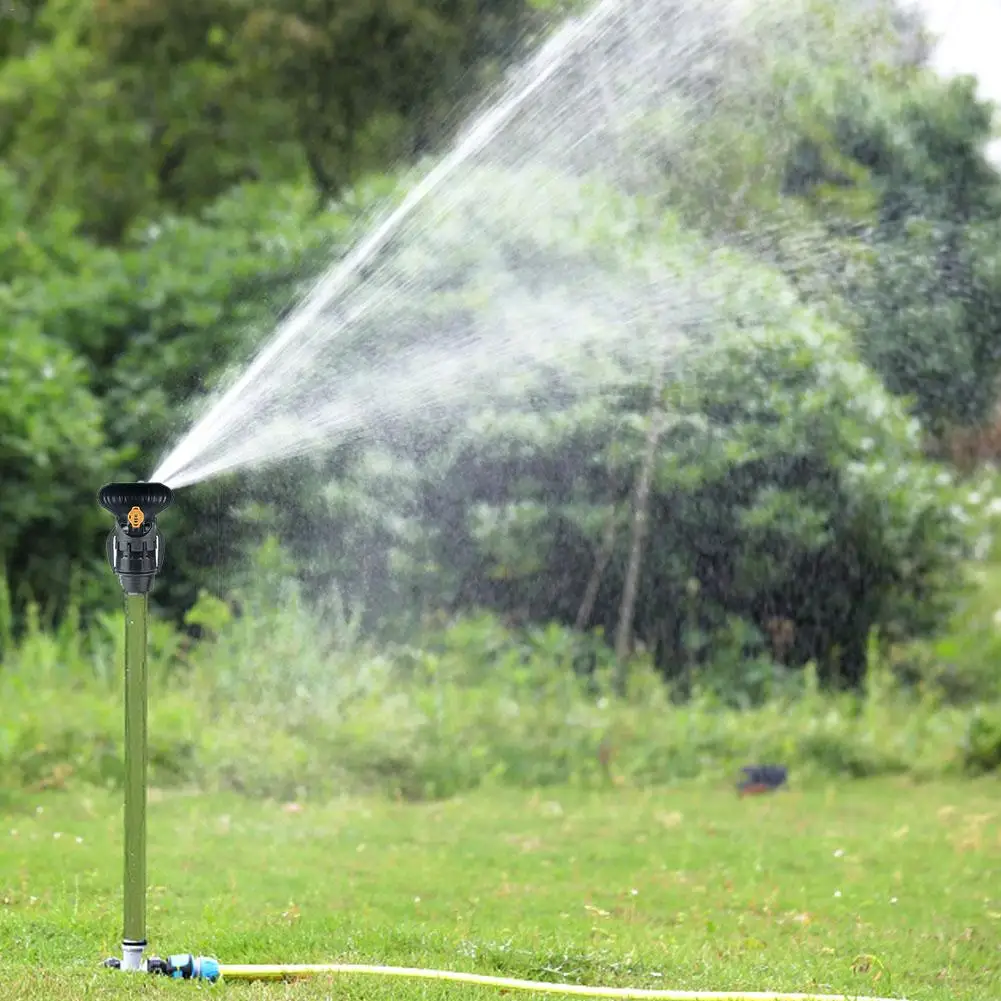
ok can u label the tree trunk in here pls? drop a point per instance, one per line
(638, 533)
(601, 559)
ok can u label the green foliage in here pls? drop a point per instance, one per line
(792, 516)
(53, 442)
(145, 328)
(280, 702)
(761, 163)
(787, 484)
(927, 311)
(209, 613)
(982, 749)
(960, 663)
(51, 447)
(811, 502)
(123, 110)
(834, 150)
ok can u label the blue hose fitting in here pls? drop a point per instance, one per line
(184, 966)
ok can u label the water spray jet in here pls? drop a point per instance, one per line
(135, 553)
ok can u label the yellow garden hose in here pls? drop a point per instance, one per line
(294, 972)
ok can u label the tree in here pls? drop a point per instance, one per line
(54, 447)
(771, 486)
(121, 110)
(499, 391)
(153, 326)
(928, 310)
(53, 455)
(835, 152)
(639, 529)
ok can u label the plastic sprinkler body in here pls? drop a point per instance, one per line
(135, 553)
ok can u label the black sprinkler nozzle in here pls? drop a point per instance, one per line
(122, 498)
(134, 547)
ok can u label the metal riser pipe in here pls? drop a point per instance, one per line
(136, 758)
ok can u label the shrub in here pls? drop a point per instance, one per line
(789, 492)
(280, 704)
(982, 747)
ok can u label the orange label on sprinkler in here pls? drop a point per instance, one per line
(136, 517)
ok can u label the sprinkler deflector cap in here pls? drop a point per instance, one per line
(121, 498)
(135, 551)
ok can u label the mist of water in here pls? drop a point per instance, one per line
(251, 397)
(502, 269)
(368, 343)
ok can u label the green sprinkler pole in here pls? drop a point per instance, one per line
(136, 755)
(135, 553)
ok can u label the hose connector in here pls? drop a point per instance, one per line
(134, 546)
(185, 966)
(188, 967)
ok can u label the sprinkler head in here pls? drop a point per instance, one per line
(134, 549)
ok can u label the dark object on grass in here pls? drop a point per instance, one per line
(759, 779)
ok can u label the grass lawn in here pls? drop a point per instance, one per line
(871, 887)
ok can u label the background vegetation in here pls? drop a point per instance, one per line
(783, 548)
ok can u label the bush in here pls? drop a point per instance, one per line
(796, 493)
(791, 508)
(982, 747)
(784, 472)
(105, 350)
(789, 491)
(53, 442)
(961, 662)
(280, 703)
